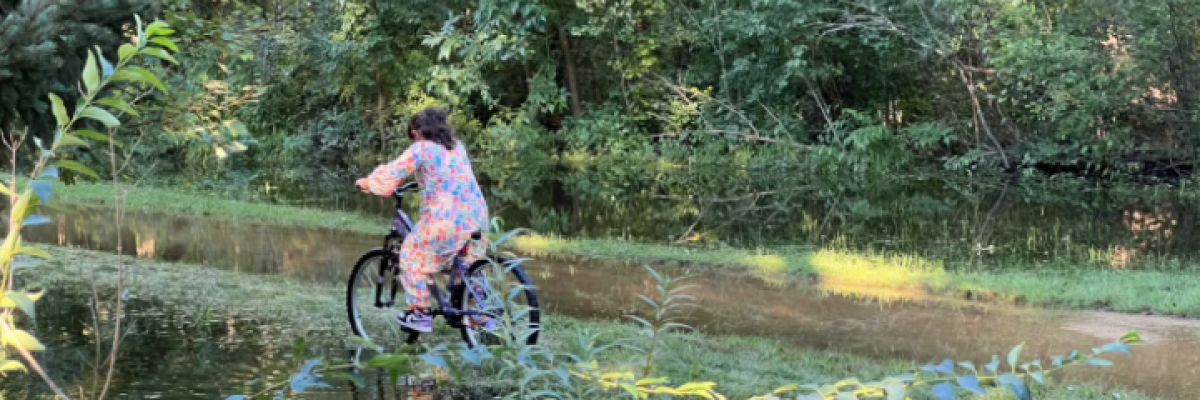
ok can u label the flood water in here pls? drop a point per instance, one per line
(173, 353)
(959, 221)
(732, 304)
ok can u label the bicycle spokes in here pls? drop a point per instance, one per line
(373, 297)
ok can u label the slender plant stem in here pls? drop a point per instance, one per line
(33, 363)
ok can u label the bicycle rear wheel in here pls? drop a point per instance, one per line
(374, 297)
(501, 289)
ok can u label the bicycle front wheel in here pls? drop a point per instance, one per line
(503, 291)
(374, 297)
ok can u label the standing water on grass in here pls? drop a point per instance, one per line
(746, 304)
(173, 351)
(976, 223)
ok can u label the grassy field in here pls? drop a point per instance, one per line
(838, 270)
(742, 366)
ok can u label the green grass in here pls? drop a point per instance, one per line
(882, 276)
(742, 366)
(145, 198)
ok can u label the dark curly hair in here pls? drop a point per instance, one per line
(433, 126)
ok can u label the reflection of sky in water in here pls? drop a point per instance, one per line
(761, 303)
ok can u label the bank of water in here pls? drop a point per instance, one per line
(763, 305)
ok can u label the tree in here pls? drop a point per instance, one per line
(43, 46)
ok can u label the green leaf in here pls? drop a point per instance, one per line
(165, 42)
(126, 52)
(1098, 362)
(159, 53)
(11, 365)
(43, 189)
(157, 28)
(77, 167)
(971, 384)
(60, 111)
(221, 154)
(236, 128)
(1015, 354)
(138, 74)
(1131, 338)
(25, 340)
(36, 252)
(632, 390)
(91, 73)
(1116, 348)
(943, 391)
(101, 115)
(993, 365)
(21, 301)
(36, 220)
(97, 136)
(118, 104)
(353, 378)
(141, 33)
(68, 140)
(106, 67)
(18, 211)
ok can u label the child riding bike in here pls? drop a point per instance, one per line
(452, 208)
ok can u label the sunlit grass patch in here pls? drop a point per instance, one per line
(771, 268)
(880, 276)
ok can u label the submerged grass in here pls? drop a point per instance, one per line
(841, 270)
(742, 366)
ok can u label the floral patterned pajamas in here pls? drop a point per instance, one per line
(452, 208)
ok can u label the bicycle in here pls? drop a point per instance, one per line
(373, 310)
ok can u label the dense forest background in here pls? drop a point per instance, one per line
(728, 99)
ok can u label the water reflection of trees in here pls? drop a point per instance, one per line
(1152, 229)
(765, 203)
(166, 351)
(309, 254)
(956, 220)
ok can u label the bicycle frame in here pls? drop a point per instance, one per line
(401, 227)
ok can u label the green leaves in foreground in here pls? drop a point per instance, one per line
(97, 76)
(948, 378)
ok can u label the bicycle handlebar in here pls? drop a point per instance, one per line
(405, 188)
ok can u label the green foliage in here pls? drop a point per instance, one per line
(104, 88)
(946, 379)
(869, 87)
(43, 49)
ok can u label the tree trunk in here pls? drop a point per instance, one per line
(572, 86)
(380, 94)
